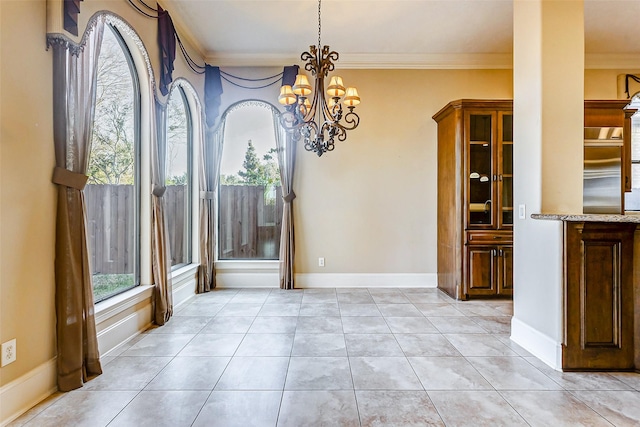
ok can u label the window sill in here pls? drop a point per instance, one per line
(186, 272)
(115, 305)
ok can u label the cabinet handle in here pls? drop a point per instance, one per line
(500, 252)
(493, 252)
(498, 237)
(500, 177)
(495, 177)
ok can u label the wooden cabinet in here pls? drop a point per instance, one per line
(475, 198)
(490, 270)
(599, 296)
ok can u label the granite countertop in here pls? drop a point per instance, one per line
(634, 218)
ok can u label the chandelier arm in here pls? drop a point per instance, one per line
(342, 134)
(311, 59)
(328, 59)
(288, 120)
(351, 119)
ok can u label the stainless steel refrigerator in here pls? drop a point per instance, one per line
(602, 185)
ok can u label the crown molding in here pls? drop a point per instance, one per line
(375, 61)
(435, 61)
(478, 61)
(609, 61)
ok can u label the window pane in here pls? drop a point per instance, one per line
(111, 191)
(635, 133)
(632, 199)
(250, 194)
(178, 179)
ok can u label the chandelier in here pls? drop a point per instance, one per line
(319, 121)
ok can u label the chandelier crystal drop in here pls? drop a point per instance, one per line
(318, 120)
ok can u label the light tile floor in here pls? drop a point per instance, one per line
(337, 357)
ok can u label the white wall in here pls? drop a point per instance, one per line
(548, 123)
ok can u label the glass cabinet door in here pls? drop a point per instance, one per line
(480, 134)
(505, 175)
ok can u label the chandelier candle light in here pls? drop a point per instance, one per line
(319, 121)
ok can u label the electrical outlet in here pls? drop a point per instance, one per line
(320, 262)
(9, 352)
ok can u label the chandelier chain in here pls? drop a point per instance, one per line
(319, 24)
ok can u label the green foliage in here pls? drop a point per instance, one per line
(177, 180)
(106, 285)
(230, 180)
(252, 174)
(256, 172)
(112, 160)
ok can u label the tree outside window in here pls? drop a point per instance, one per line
(250, 192)
(110, 195)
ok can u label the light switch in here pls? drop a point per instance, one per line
(522, 212)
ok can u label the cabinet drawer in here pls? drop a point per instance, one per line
(489, 237)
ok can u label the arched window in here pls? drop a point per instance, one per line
(250, 193)
(179, 177)
(112, 193)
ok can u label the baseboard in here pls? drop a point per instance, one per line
(261, 279)
(537, 343)
(366, 280)
(25, 392)
(184, 290)
(117, 321)
(113, 336)
(247, 280)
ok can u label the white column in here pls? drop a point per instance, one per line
(548, 78)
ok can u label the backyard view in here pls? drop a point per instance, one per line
(111, 191)
(250, 195)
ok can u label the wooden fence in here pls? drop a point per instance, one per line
(249, 224)
(111, 228)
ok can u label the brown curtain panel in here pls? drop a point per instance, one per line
(161, 257)
(209, 171)
(287, 143)
(211, 150)
(74, 93)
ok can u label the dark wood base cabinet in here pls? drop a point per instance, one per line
(490, 270)
(599, 298)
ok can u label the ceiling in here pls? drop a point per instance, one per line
(387, 33)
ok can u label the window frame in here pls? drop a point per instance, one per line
(232, 265)
(635, 163)
(137, 138)
(188, 244)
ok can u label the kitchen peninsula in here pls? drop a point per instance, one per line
(601, 293)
